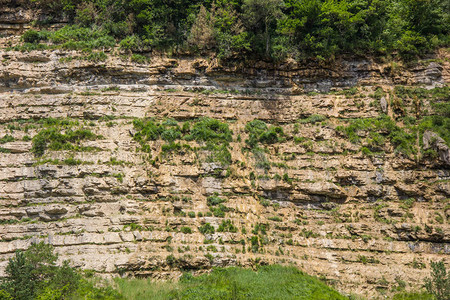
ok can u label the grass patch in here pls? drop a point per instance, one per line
(59, 134)
(233, 283)
(212, 135)
(374, 132)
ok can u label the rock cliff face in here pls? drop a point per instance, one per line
(313, 197)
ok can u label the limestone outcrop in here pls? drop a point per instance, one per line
(314, 197)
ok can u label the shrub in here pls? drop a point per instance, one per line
(6, 139)
(211, 131)
(31, 36)
(206, 229)
(171, 134)
(275, 218)
(140, 59)
(375, 130)
(74, 37)
(413, 296)
(312, 119)
(261, 162)
(135, 44)
(171, 260)
(214, 200)
(52, 138)
(227, 226)
(96, 57)
(439, 283)
(219, 211)
(260, 133)
(186, 230)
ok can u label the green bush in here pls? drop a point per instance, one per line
(34, 274)
(213, 135)
(186, 230)
(211, 131)
(216, 207)
(51, 137)
(260, 133)
(96, 57)
(214, 200)
(376, 130)
(6, 139)
(439, 283)
(74, 37)
(31, 36)
(312, 119)
(206, 229)
(275, 218)
(219, 211)
(227, 226)
(135, 44)
(140, 59)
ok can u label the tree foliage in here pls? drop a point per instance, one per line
(269, 29)
(34, 274)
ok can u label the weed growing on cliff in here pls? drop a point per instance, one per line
(206, 229)
(140, 59)
(213, 136)
(375, 131)
(96, 57)
(6, 139)
(261, 161)
(312, 119)
(211, 131)
(186, 230)
(259, 132)
(59, 135)
(216, 207)
(227, 226)
(215, 200)
(413, 296)
(275, 219)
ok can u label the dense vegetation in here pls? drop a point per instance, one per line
(268, 282)
(213, 137)
(59, 134)
(269, 29)
(405, 131)
(34, 274)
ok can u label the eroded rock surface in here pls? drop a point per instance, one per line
(363, 221)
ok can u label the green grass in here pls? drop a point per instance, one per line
(268, 282)
(259, 132)
(213, 137)
(59, 135)
(312, 119)
(376, 131)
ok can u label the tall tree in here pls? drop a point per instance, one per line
(202, 31)
(262, 15)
